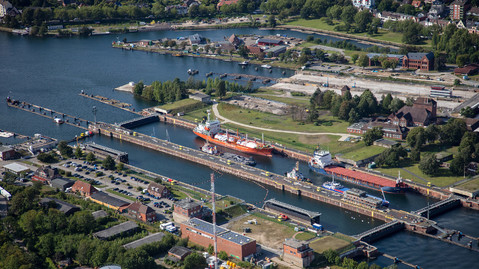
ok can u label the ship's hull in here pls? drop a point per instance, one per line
(386, 189)
(263, 152)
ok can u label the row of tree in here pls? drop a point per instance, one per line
(347, 107)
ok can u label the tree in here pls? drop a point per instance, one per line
(354, 58)
(221, 89)
(347, 16)
(416, 138)
(90, 157)
(138, 89)
(431, 133)
(363, 60)
(50, 157)
(452, 132)
(429, 165)
(109, 163)
(362, 20)
(243, 51)
(120, 166)
(462, 59)
(396, 104)
(386, 102)
(468, 112)
(415, 155)
(330, 255)
(457, 82)
(65, 149)
(78, 152)
(194, 261)
(223, 255)
(372, 135)
(272, 21)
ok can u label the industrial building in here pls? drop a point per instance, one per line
(186, 209)
(293, 212)
(201, 232)
(108, 201)
(106, 151)
(297, 252)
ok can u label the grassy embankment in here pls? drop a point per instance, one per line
(411, 170)
(382, 35)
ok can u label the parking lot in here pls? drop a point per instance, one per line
(120, 184)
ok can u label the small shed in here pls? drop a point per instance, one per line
(444, 156)
(179, 252)
(62, 183)
(200, 97)
(386, 143)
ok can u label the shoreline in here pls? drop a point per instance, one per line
(201, 55)
(363, 40)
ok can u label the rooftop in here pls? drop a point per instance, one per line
(16, 167)
(187, 204)
(270, 41)
(116, 230)
(235, 237)
(99, 214)
(204, 226)
(294, 243)
(61, 205)
(156, 237)
(139, 207)
(311, 214)
(275, 49)
(62, 181)
(107, 199)
(179, 251)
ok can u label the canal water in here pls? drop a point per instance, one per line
(52, 72)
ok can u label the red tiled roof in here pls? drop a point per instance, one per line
(83, 186)
(227, 2)
(139, 207)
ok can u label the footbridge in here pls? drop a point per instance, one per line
(380, 231)
(439, 207)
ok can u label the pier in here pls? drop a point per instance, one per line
(50, 114)
(252, 78)
(112, 102)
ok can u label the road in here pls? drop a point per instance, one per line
(225, 120)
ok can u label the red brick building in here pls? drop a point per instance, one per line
(45, 174)
(187, 208)
(421, 113)
(201, 232)
(85, 189)
(140, 211)
(158, 190)
(6, 153)
(255, 50)
(419, 60)
(470, 69)
(457, 9)
(269, 42)
(297, 252)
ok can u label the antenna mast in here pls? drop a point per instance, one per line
(214, 217)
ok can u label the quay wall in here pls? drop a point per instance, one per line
(263, 179)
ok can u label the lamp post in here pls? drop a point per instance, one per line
(94, 112)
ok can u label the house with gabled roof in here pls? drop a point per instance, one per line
(141, 212)
(421, 113)
(83, 188)
(45, 174)
(419, 60)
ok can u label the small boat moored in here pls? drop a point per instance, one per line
(58, 120)
(267, 66)
(296, 175)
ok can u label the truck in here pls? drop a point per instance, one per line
(163, 226)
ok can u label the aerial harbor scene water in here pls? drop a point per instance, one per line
(239, 134)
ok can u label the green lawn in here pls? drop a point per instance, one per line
(197, 115)
(179, 104)
(305, 236)
(444, 177)
(359, 151)
(382, 35)
(296, 100)
(285, 122)
(329, 242)
(471, 185)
